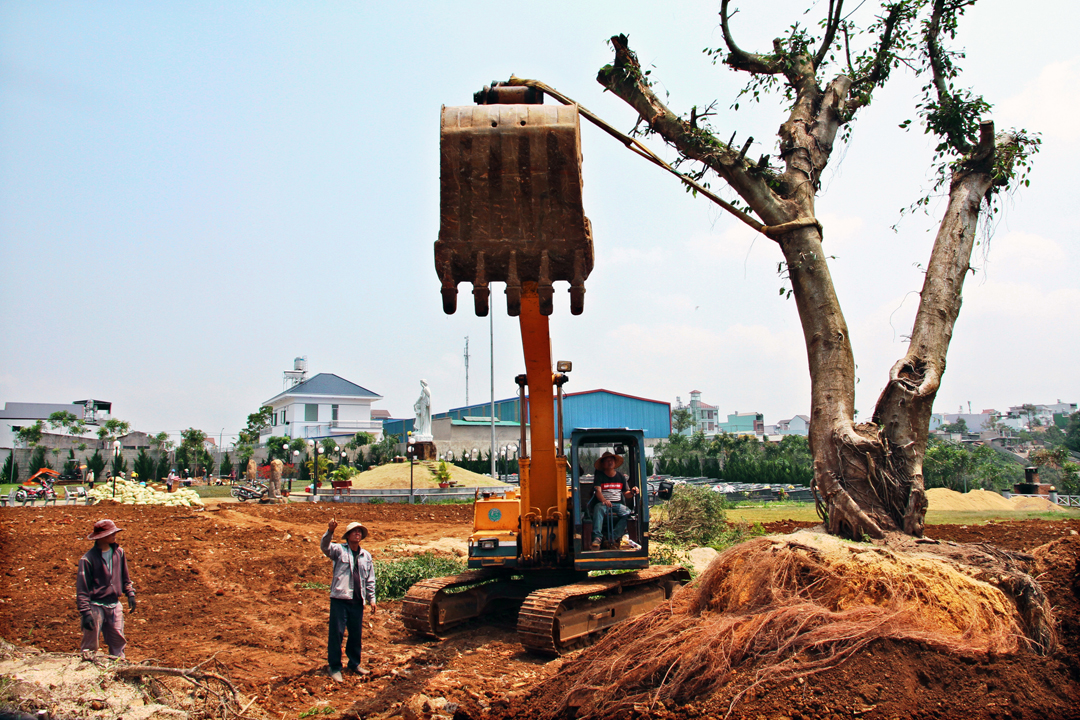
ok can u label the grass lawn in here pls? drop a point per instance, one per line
(212, 491)
(773, 512)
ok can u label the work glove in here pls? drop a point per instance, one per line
(87, 621)
(131, 603)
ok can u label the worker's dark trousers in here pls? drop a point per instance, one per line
(345, 616)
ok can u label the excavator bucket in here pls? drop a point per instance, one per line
(511, 202)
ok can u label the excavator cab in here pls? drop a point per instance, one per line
(631, 548)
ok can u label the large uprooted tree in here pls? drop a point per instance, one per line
(868, 476)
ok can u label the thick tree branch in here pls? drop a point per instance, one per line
(831, 23)
(742, 60)
(940, 74)
(862, 86)
(626, 80)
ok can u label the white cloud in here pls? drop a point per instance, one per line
(1028, 304)
(840, 231)
(1048, 104)
(1024, 251)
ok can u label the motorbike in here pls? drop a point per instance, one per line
(254, 491)
(44, 492)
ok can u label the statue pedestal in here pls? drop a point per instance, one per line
(424, 450)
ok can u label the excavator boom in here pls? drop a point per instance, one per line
(512, 213)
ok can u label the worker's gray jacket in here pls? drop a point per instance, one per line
(341, 587)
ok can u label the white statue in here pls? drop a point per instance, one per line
(422, 408)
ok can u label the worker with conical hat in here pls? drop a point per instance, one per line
(352, 587)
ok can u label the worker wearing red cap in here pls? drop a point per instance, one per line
(101, 580)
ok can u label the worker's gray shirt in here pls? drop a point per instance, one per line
(341, 587)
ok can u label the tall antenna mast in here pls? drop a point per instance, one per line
(466, 371)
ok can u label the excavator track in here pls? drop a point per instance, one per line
(554, 620)
(420, 608)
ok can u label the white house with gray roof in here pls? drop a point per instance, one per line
(324, 405)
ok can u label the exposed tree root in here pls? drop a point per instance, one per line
(779, 608)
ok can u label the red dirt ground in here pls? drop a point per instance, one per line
(225, 581)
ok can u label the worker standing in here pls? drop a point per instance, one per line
(352, 586)
(101, 580)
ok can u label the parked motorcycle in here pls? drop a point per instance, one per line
(253, 491)
(44, 492)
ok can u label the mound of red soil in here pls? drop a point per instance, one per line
(234, 581)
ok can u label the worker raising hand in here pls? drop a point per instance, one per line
(331, 526)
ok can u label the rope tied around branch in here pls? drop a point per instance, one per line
(775, 231)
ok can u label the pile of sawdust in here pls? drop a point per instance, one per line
(780, 607)
(396, 475)
(1037, 504)
(984, 501)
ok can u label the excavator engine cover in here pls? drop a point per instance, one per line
(511, 203)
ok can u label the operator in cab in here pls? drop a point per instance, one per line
(610, 513)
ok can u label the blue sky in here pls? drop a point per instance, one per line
(192, 194)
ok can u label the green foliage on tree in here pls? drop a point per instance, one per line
(192, 450)
(737, 458)
(256, 423)
(39, 459)
(1072, 433)
(144, 465)
(30, 435)
(95, 463)
(960, 426)
(10, 471)
(962, 468)
(226, 465)
(694, 516)
(112, 429)
(71, 465)
(119, 464)
(162, 442)
(384, 450)
(161, 468)
(69, 422)
(681, 420)
(324, 468)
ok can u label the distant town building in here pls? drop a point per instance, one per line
(797, 425)
(703, 415)
(17, 415)
(324, 405)
(752, 423)
(462, 429)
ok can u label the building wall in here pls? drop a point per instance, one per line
(353, 416)
(601, 408)
(743, 424)
(594, 408)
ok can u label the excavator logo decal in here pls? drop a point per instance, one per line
(494, 514)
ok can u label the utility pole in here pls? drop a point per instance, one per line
(466, 371)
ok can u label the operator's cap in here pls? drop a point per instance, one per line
(103, 528)
(353, 526)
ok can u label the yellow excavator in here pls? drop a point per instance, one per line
(511, 212)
